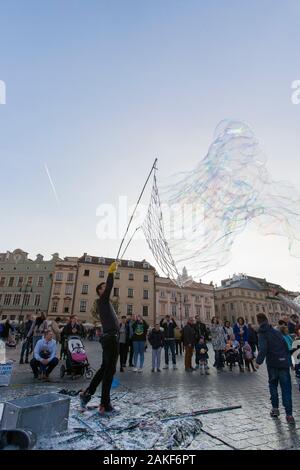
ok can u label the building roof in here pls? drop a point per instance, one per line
(243, 284)
(249, 282)
(167, 282)
(125, 263)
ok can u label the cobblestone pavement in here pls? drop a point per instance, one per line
(247, 428)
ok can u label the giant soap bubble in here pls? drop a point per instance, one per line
(195, 216)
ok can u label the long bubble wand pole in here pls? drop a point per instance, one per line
(138, 201)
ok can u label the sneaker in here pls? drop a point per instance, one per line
(140, 370)
(134, 369)
(26, 361)
(158, 370)
(152, 370)
(84, 399)
(290, 420)
(274, 413)
(206, 372)
(21, 361)
(166, 367)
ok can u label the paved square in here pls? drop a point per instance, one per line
(151, 405)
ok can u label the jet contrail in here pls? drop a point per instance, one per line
(52, 184)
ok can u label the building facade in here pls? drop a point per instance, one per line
(63, 288)
(133, 290)
(25, 284)
(246, 296)
(182, 303)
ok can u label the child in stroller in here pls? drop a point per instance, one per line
(232, 353)
(76, 359)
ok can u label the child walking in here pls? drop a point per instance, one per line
(248, 354)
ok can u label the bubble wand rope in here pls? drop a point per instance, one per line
(138, 201)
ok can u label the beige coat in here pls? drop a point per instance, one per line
(56, 330)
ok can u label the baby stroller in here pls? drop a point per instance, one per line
(76, 359)
(232, 357)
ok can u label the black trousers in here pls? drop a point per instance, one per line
(131, 351)
(105, 374)
(123, 354)
(37, 367)
(178, 346)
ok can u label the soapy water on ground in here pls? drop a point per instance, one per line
(139, 424)
(149, 419)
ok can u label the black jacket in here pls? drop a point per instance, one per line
(273, 347)
(252, 336)
(201, 330)
(105, 310)
(189, 335)
(156, 339)
(168, 328)
(68, 330)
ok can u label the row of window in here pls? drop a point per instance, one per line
(68, 289)
(59, 276)
(243, 293)
(117, 275)
(174, 310)
(116, 292)
(19, 281)
(15, 300)
(101, 260)
(186, 297)
(250, 307)
(129, 308)
(66, 306)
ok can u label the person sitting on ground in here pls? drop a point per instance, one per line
(156, 339)
(44, 357)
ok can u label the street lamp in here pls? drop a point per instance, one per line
(24, 291)
(180, 310)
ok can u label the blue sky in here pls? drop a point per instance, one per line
(96, 89)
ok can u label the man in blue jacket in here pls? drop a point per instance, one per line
(273, 348)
